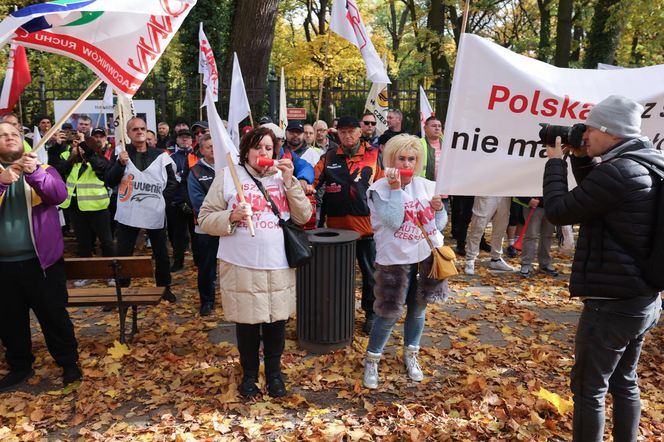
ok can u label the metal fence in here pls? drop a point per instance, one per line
(340, 97)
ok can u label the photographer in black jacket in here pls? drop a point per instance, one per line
(615, 203)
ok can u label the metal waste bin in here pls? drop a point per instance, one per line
(326, 292)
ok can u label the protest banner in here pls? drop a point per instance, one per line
(491, 144)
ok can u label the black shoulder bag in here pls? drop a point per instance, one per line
(296, 242)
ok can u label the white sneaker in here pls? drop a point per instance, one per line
(412, 366)
(371, 361)
(110, 283)
(81, 282)
(500, 265)
(470, 267)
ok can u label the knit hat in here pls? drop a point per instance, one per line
(278, 132)
(618, 116)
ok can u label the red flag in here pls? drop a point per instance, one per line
(17, 78)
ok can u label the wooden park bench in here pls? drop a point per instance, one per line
(116, 268)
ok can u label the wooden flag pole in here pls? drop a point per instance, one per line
(466, 7)
(200, 97)
(325, 67)
(238, 187)
(56, 127)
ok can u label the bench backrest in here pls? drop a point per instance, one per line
(103, 268)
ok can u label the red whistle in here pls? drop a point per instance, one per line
(265, 161)
(406, 172)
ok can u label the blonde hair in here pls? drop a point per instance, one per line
(400, 144)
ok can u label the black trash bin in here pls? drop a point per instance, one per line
(326, 292)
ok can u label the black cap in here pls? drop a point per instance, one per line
(98, 130)
(66, 126)
(295, 125)
(347, 121)
(203, 124)
(184, 133)
(264, 120)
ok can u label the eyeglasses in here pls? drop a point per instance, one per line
(369, 123)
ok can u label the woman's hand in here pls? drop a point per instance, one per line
(286, 167)
(242, 211)
(437, 203)
(393, 178)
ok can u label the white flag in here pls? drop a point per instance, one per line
(283, 109)
(238, 108)
(207, 65)
(108, 96)
(377, 105)
(122, 112)
(425, 110)
(346, 22)
(221, 141)
(42, 154)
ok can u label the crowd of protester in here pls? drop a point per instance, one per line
(343, 176)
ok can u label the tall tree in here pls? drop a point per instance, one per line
(544, 46)
(252, 35)
(564, 33)
(604, 35)
(439, 64)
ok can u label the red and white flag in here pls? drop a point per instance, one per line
(346, 22)
(207, 64)
(120, 40)
(17, 78)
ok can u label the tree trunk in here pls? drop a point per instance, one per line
(439, 64)
(604, 35)
(564, 33)
(545, 29)
(251, 37)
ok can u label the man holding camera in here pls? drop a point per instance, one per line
(615, 202)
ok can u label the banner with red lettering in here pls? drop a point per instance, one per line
(120, 40)
(207, 65)
(491, 145)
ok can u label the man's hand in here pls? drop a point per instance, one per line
(28, 162)
(533, 203)
(123, 157)
(308, 188)
(60, 137)
(10, 175)
(555, 151)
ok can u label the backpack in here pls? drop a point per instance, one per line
(652, 267)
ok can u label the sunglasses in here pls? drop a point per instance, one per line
(369, 123)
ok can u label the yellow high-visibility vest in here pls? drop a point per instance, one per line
(91, 194)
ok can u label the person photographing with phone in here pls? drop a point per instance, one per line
(615, 204)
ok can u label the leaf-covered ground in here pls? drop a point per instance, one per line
(496, 357)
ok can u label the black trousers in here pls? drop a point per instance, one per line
(26, 286)
(91, 225)
(205, 257)
(249, 341)
(462, 212)
(365, 252)
(126, 241)
(178, 231)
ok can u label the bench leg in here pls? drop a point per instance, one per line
(123, 317)
(134, 322)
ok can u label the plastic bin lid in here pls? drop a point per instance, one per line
(332, 236)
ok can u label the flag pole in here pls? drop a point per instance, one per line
(238, 187)
(320, 89)
(56, 127)
(200, 97)
(465, 16)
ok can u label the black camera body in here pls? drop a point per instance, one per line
(572, 135)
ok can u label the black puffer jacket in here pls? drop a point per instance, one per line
(615, 203)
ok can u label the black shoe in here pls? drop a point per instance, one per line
(369, 320)
(169, 296)
(276, 386)
(485, 246)
(206, 309)
(71, 373)
(248, 387)
(460, 250)
(177, 267)
(549, 271)
(14, 378)
(108, 308)
(511, 252)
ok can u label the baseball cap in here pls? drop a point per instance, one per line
(184, 133)
(295, 125)
(278, 132)
(203, 124)
(98, 130)
(347, 121)
(66, 126)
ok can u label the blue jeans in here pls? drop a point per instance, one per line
(608, 344)
(206, 258)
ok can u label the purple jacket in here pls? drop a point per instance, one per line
(44, 190)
